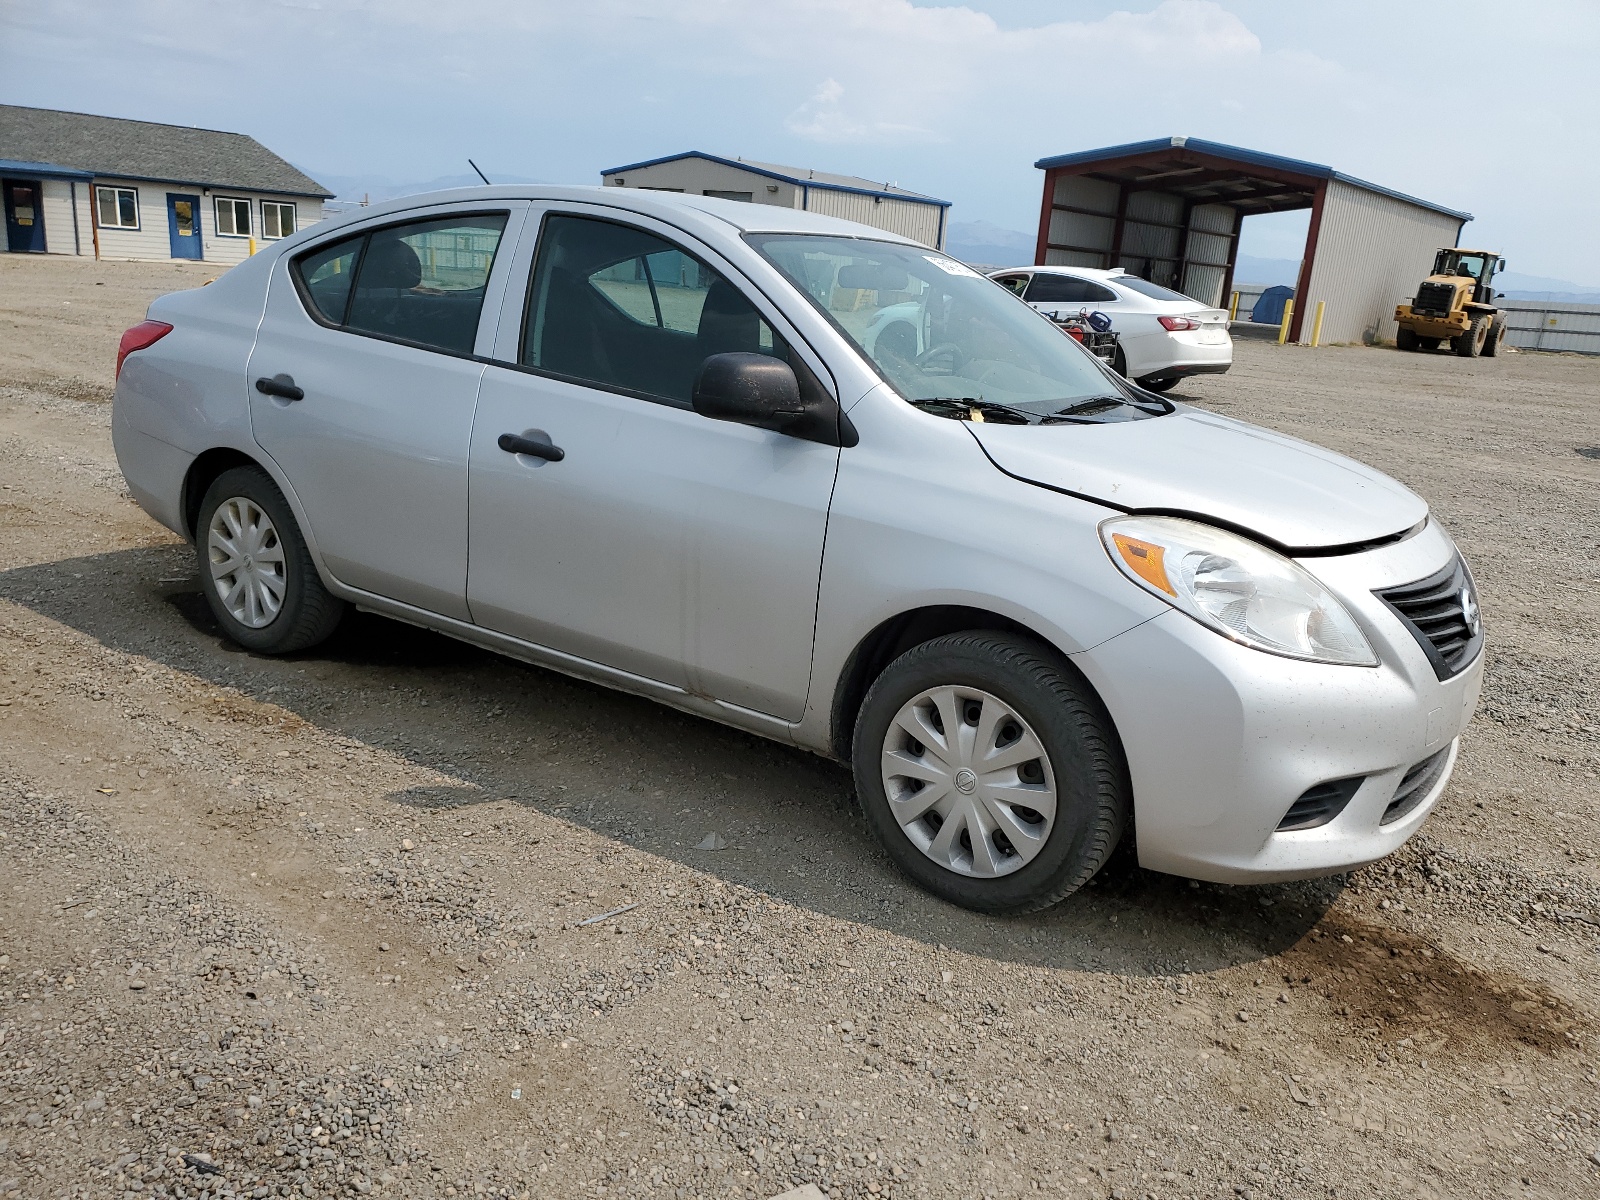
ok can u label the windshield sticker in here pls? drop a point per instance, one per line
(950, 266)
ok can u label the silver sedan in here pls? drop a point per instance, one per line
(663, 443)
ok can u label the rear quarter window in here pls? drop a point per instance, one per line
(325, 276)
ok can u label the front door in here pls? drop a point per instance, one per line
(662, 543)
(24, 216)
(183, 225)
(362, 387)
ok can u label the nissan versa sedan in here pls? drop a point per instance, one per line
(642, 439)
(1162, 336)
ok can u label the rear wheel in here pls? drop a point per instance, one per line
(1159, 385)
(990, 772)
(1119, 363)
(1469, 343)
(1497, 332)
(1405, 339)
(255, 569)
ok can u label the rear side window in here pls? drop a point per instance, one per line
(421, 283)
(1045, 288)
(622, 309)
(326, 275)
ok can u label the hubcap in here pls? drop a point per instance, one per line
(969, 782)
(246, 562)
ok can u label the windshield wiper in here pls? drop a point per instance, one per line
(963, 408)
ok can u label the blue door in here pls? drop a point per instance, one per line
(24, 216)
(183, 225)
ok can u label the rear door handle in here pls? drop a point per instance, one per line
(515, 443)
(280, 385)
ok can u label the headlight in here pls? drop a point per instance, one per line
(1242, 590)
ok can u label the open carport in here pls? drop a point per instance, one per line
(1169, 210)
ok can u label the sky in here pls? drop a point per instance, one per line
(1474, 104)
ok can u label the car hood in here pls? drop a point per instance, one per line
(1286, 491)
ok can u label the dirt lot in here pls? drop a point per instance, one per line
(322, 926)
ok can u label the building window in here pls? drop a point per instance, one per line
(233, 217)
(117, 208)
(277, 220)
(747, 197)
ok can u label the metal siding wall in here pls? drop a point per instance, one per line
(1080, 229)
(1082, 192)
(1372, 251)
(1073, 258)
(1209, 242)
(920, 222)
(1549, 325)
(695, 175)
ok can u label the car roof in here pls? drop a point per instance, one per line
(672, 206)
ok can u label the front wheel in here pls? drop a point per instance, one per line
(1469, 343)
(1497, 333)
(1405, 339)
(255, 568)
(990, 772)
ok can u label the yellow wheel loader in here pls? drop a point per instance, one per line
(1455, 304)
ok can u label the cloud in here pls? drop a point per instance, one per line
(824, 118)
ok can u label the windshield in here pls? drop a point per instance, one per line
(1451, 262)
(938, 331)
(1154, 290)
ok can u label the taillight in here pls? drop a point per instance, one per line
(1176, 324)
(145, 333)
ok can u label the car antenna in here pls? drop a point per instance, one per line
(481, 175)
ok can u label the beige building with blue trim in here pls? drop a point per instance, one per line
(106, 187)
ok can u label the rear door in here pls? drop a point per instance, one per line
(377, 331)
(673, 547)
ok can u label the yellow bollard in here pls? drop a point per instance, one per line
(1316, 324)
(1233, 308)
(252, 247)
(1288, 315)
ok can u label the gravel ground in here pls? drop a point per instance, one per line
(327, 925)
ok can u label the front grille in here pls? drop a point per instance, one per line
(1416, 785)
(1441, 612)
(1320, 804)
(1434, 298)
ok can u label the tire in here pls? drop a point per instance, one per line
(1405, 339)
(1119, 363)
(1497, 331)
(275, 602)
(1035, 695)
(1160, 385)
(1469, 344)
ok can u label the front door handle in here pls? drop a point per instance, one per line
(515, 443)
(280, 385)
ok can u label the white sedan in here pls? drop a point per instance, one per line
(1162, 335)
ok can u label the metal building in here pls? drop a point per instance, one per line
(1169, 210)
(883, 205)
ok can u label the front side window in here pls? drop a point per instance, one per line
(614, 306)
(1013, 283)
(423, 282)
(1047, 288)
(277, 220)
(233, 217)
(935, 329)
(116, 208)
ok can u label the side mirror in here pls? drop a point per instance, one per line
(766, 392)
